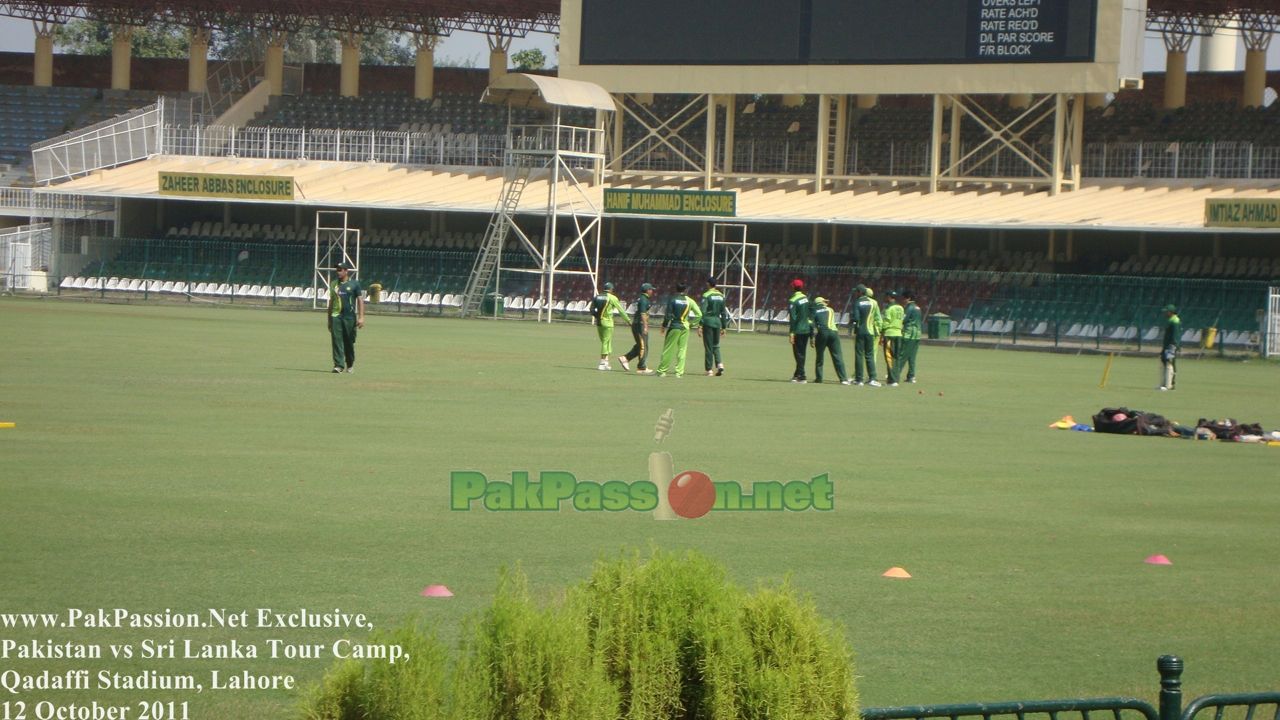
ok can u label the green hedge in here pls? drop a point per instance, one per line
(667, 637)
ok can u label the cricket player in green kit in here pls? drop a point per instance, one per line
(603, 306)
(682, 314)
(801, 316)
(866, 322)
(891, 337)
(640, 331)
(827, 337)
(346, 315)
(715, 318)
(912, 320)
(1169, 348)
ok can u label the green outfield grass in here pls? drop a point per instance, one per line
(204, 457)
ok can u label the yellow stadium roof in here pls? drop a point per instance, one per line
(1169, 206)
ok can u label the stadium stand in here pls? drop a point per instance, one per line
(31, 114)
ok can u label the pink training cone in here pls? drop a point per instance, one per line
(896, 572)
(1158, 560)
(436, 591)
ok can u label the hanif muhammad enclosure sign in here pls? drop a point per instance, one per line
(694, 203)
(240, 187)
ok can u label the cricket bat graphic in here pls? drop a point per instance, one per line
(661, 468)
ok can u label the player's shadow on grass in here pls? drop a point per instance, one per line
(306, 370)
(591, 369)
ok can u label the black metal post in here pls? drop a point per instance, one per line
(1170, 667)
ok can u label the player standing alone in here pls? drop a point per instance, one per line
(715, 318)
(1170, 347)
(346, 315)
(602, 308)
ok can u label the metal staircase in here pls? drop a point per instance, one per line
(495, 237)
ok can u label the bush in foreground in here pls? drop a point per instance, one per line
(662, 638)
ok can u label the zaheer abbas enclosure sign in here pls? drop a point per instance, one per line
(242, 187)
(705, 203)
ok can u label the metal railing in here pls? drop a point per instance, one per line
(891, 158)
(1084, 312)
(124, 139)
(275, 143)
(1169, 703)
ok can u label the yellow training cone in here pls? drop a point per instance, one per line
(896, 572)
(1065, 423)
(7, 425)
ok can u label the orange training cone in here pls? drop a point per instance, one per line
(436, 591)
(1158, 560)
(896, 572)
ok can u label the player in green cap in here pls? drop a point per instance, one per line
(640, 331)
(346, 315)
(866, 326)
(826, 337)
(891, 337)
(912, 320)
(715, 318)
(682, 314)
(603, 306)
(1170, 347)
(801, 326)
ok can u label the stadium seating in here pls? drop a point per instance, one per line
(31, 114)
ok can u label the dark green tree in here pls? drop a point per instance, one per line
(93, 37)
(531, 59)
(161, 40)
(315, 45)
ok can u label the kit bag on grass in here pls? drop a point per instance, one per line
(1123, 421)
(1119, 421)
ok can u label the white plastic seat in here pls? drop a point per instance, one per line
(1041, 328)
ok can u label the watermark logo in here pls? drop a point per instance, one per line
(690, 494)
(668, 495)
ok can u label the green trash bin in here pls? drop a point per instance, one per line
(493, 305)
(939, 326)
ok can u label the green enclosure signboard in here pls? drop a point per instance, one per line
(692, 203)
(1242, 212)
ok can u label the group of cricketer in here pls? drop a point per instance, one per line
(708, 317)
(895, 328)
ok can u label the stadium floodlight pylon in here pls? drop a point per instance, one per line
(335, 242)
(570, 160)
(735, 264)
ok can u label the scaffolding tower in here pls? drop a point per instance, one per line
(569, 161)
(336, 242)
(735, 264)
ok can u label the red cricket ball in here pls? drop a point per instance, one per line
(691, 494)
